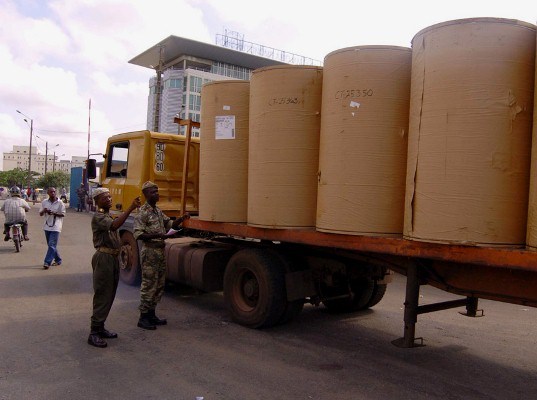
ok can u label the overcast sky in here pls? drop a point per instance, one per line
(56, 55)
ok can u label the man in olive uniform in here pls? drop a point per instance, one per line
(81, 194)
(150, 226)
(105, 263)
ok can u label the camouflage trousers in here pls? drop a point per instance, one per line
(153, 278)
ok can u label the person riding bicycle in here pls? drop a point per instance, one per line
(15, 209)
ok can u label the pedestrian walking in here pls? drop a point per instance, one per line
(81, 194)
(63, 195)
(54, 211)
(105, 263)
(151, 226)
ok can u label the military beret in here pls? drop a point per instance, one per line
(99, 191)
(148, 185)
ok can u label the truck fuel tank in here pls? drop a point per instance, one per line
(197, 263)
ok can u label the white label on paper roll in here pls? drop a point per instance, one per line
(226, 108)
(224, 127)
(355, 104)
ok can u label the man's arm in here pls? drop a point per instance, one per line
(123, 217)
(180, 220)
(149, 236)
(61, 212)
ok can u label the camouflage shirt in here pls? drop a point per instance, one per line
(102, 235)
(151, 220)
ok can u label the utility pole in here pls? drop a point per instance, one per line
(30, 149)
(156, 117)
(46, 156)
(54, 159)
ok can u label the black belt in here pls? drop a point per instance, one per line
(108, 250)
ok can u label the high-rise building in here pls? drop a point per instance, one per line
(182, 66)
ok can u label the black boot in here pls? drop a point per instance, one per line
(95, 340)
(106, 334)
(156, 320)
(145, 322)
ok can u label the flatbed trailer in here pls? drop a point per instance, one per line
(505, 274)
(268, 274)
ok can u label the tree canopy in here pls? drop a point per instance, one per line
(15, 177)
(19, 177)
(57, 179)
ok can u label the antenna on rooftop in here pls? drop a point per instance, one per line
(235, 41)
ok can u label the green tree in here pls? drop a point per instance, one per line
(14, 177)
(57, 179)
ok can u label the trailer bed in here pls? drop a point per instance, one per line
(507, 274)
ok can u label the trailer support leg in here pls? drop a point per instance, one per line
(471, 308)
(411, 310)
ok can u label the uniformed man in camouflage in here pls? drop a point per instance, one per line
(151, 226)
(105, 263)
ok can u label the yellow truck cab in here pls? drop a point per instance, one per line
(135, 157)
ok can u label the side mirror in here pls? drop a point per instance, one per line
(92, 168)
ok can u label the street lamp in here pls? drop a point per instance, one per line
(30, 149)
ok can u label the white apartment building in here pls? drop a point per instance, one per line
(19, 158)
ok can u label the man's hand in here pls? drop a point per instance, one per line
(136, 203)
(180, 220)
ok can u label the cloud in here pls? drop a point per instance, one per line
(57, 54)
(30, 39)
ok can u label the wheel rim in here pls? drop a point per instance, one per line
(125, 255)
(246, 291)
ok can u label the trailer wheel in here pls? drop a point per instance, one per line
(378, 294)
(362, 293)
(129, 267)
(254, 288)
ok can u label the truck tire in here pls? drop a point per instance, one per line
(254, 288)
(363, 290)
(129, 265)
(292, 310)
(378, 294)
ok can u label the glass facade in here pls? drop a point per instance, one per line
(181, 93)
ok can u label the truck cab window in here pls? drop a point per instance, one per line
(117, 160)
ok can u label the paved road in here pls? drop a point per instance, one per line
(44, 323)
